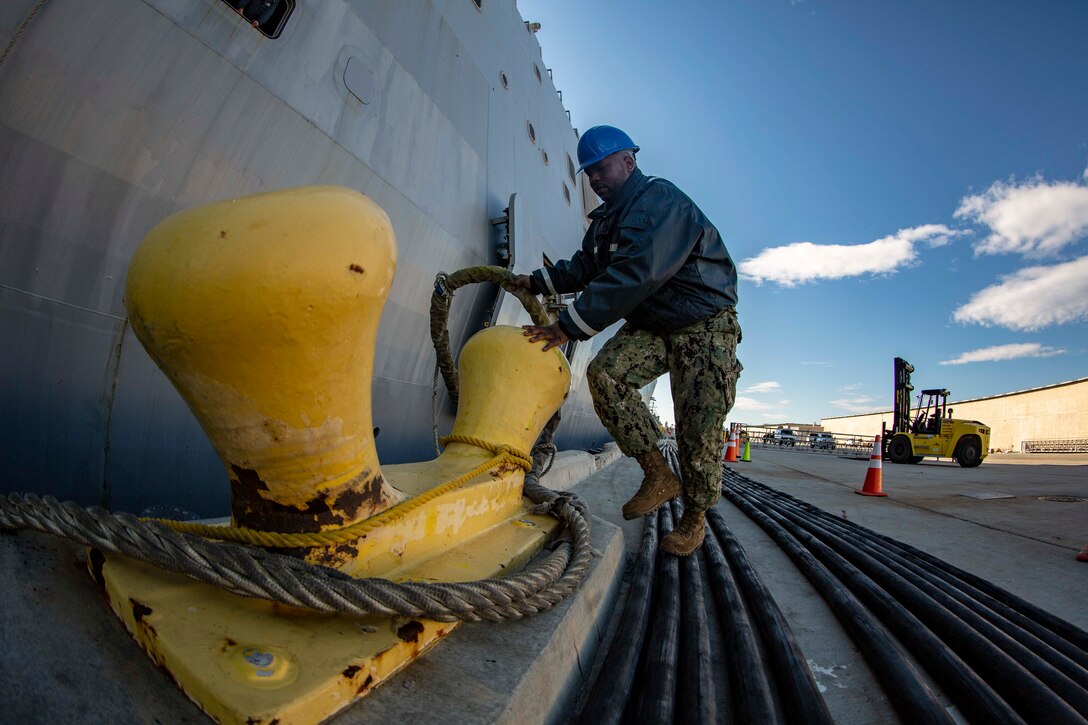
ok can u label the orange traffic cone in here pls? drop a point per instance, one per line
(1083, 556)
(871, 487)
(731, 448)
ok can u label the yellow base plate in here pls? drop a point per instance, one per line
(251, 661)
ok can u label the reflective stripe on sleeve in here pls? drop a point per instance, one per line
(577, 319)
(548, 280)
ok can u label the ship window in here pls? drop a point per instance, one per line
(532, 132)
(267, 16)
(505, 81)
(566, 193)
(571, 170)
(536, 69)
(544, 155)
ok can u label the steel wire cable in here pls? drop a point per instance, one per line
(252, 572)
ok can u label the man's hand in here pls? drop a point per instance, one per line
(525, 281)
(552, 335)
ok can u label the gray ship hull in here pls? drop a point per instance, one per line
(117, 113)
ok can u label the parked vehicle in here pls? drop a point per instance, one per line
(825, 441)
(782, 437)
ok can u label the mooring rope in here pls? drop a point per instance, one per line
(252, 572)
(19, 31)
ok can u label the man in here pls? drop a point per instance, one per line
(651, 257)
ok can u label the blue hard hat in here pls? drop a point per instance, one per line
(601, 141)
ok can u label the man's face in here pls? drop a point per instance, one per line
(607, 176)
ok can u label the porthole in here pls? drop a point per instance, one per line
(532, 131)
(572, 170)
(566, 194)
(544, 155)
(504, 80)
(536, 69)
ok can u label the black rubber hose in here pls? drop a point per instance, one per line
(695, 697)
(797, 689)
(1073, 640)
(1038, 640)
(751, 692)
(613, 687)
(968, 690)
(911, 696)
(1021, 683)
(656, 684)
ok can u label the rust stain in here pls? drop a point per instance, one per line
(222, 233)
(228, 643)
(350, 672)
(367, 684)
(356, 269)
(365, 494)
(410, 632)
(139, 609)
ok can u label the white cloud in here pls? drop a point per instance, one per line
(851, 386)
(855, 404)
(1035, 218)
(1005, 352)
(784, 402)
(744, 403)
(766, 387)
(1032, 298)
(802, 262)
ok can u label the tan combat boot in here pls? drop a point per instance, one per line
(659, 486)
(688, 535)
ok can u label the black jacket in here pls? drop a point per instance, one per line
(651, 256)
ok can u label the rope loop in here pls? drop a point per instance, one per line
(184, 547)
(500, 449)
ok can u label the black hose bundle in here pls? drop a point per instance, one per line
(999, 658)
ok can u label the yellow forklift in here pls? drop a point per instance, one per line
(933, 431)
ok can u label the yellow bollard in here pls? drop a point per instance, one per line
(263, 311)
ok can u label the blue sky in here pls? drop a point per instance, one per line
(892, 178)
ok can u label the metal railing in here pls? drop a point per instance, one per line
(840, 444)
(1055, 445)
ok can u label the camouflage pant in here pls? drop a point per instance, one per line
(702, 363)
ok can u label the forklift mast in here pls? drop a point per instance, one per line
(901, 414)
